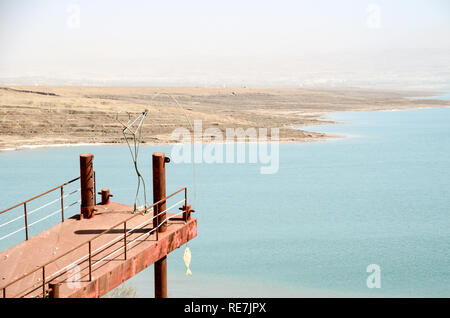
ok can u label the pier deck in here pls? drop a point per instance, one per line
(115, 257)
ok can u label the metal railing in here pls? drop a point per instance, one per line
(155, 206)
(27, 213)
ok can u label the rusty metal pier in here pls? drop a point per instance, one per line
(102, 246)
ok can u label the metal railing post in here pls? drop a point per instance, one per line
(90, 261)
(62, 204)
(125, 238)
(95, 190)
(26, 220)
(43, 281)
(185, 204)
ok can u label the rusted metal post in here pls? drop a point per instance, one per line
(90, 261)
(159, 187)
(54, 290)
(185, 197)
(161, 278)
(87, 185)
(159, 161)
(187, 212)
(43, 281)
(125, 238)
(26, 220)
(95, 189)
(105, 193)
(186, 208)
(62, 204)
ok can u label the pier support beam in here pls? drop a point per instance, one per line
(87, 185)
(161, 278)
(54, 290)
(159, 161)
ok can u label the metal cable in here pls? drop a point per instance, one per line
(136, 136)
(192, 128)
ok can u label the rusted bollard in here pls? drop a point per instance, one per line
(87, 185)
(105, 195)
(186, 212)
(159, 161)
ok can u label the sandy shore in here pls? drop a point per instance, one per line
(54, 116)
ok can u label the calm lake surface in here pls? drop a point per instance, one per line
(380, 196)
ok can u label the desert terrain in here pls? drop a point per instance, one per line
(43, 115)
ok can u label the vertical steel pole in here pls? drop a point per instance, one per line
(159, 187)
(185, 214)
(95, 190)
(62, 204)
(90, 261)
(87, 185)
(26, 220)
(125, 238)
(159, 192)
(161, 278)
(43, 281)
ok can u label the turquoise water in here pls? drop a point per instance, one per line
(380, 196)
(445, 96)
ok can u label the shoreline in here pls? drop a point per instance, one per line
(324, 118)
(57, 116)
(43, 146)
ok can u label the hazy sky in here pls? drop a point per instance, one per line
(115, 38)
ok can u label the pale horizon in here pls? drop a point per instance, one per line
(386, 44)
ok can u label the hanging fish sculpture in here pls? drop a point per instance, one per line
(187, 260)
